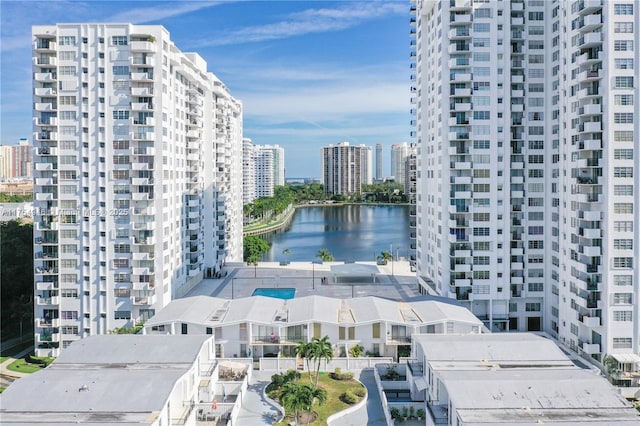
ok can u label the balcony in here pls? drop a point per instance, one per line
(586, 76)
(591, 321)
(45, 106)
(45, 77)
(461, 78)
(46, 285)
(439, 413)
(398, 340)
(45, 45)
(591, 144)
(459, 92)
(45, 61)
(141, 106)
(141, 76)
(590, 40)
(272, 339)
(46, 301)
(142, 46)
(591, 348)
(464, 19)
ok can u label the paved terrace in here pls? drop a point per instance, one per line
(394, 281)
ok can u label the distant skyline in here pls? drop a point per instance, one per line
(309, 73)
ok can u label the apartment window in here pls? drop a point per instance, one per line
(574, 329)
(623, 63)
(121, 292)
(69, 329)
(67, 40)
(536, 244)
(623, 45)
(623, 154)
(536, 30)
(68, 315)
(623, 83)
(623, 27)
(121, 248)
(482, 245)
(120, 263)
(481, 187)
(622, 9)
(622, 298)
(481, 275)
(624, 100)
(535, 202)
(623, 190)
(481, 232)
(481, 57)
(481, 115)
(119, 40)
(623, 136)
(375, 330)
(623, 226)
(536, 44)
(623, 244)
(69, 293)
(623, 280)
(481, 42)
(481, 260)
(536, 72)
(623, 117)
(623, 262)
(513, 307)
(184, 328)
(536, 287)
(532, 307)
(623, 208)
(481, 144)
(482, 13)
(536, 173)
(120, 70)
(536, 230)
(122, 315)
(623, 172)
(622, 316)
(481, 27)
(536, 59)
(120, 115)
(536, 16)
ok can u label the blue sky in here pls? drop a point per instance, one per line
(309, 73)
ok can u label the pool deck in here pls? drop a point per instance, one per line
(306, 278)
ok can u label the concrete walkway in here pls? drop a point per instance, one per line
(256, 410)
(14, 374)
(370, 414)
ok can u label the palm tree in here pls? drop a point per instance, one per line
(324, 255)
(302, 350)
(385, 256)
(298, 397)
(320, 349)
(286, 252)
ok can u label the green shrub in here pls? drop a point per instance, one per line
(356, 351)
(361, 392)
(349, 397)
(339, 375)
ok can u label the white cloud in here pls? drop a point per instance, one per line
(308, 22)
(163, 11)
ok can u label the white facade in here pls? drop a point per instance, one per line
(277, 153)
(264, 181)
(138, 153)
(378, 161)
(248, 171)
(526, 125)
(260, 326)
(129, 379)
(345, 168)
(399, 155)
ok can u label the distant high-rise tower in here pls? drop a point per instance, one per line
(528, 131)
(399, 155)
(345, 168)
(378, 161)
(248, 171)
(16, 160)
(138, 170)
(264, 176)
(277, 154)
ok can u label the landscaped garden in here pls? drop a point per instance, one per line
(29, 364)
(311, 398)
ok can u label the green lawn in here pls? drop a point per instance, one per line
(21, 366)
(2, 388)
(334, 388)
(3, 359)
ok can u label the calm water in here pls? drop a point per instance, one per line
(350, 233)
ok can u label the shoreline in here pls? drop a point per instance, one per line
(279, 224)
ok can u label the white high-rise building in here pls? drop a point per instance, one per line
(399, 154)
(248, 171)
(527, 131)
(138, 170)
(277, 152)
(264, 174)
(345, 168)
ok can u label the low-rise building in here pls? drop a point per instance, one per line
(506, 379)
(261, 326)
(127, 379)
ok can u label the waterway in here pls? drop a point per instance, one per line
(349, 232)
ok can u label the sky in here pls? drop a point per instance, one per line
(309, 73)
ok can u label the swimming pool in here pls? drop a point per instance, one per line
(278, 293)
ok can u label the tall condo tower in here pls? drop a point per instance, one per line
(345, 168)
(138, 165)
(378, 161)
(399, 156)
(527, 132)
